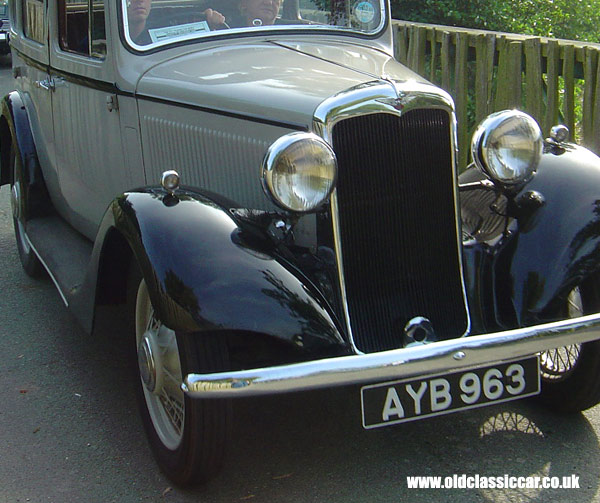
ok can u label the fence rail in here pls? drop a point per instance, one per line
(555, 81)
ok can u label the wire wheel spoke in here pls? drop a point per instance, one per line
(557, 364)
(174, 409)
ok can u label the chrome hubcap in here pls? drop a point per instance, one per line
(147, 364)
(15, 200)
(160, 372)
(16, 204)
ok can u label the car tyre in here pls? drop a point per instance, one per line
(188, 437)
(18, 200)
(571, 374)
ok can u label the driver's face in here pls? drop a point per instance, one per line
(138, 10)
(265, 10)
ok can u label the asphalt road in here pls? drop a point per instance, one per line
(69, 430)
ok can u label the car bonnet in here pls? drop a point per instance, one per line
(280, 81)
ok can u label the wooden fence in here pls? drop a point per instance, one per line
(555, 81)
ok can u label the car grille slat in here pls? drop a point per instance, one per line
(397, 221)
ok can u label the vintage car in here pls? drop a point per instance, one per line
(274, 201)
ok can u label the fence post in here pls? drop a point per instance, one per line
(401, 45)
(481, 80)
(417, 48)
(595, 145)
(491, 42)
(589, 75)
(433, 58)
(533, 79)
(552, 71)
(445, 56)
(569, 89)
(509, 81)
(485, 51)
(461, 97)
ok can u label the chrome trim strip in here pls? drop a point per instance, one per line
(62, 295)
(379, 96)
(397, 98)
(458, 216)
(417, 360)
(337, 243)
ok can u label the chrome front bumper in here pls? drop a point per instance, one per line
(421, 360)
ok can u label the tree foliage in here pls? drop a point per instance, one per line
(569, 19)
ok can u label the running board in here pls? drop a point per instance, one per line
(63, 251)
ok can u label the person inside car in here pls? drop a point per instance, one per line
(257, 13)
(139, 10)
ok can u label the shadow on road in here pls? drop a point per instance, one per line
(310, 446)
(5, 60)
(69, 430)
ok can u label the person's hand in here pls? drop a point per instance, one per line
(214, 19)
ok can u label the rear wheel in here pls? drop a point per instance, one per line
(571, 374)
(29, 260)
(188, 436)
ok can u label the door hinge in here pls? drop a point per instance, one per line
(112, 103)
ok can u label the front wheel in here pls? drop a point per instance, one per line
(188, 436)
(571, 374)
(29, 260)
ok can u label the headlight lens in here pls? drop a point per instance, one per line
(507, 147)
(299, 171)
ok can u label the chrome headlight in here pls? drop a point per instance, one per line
(507, 147)
(299, 171)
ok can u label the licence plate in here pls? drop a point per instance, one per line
(396, 402)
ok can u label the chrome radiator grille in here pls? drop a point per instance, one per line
(397, 222)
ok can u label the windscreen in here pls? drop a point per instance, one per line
(148, 24)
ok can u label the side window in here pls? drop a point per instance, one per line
(98, 48)
(81, 27)
(33, 20)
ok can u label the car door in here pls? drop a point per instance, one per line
(89, 157)
(30, 67)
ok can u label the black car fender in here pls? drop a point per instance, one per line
(16, 134)
(202, 276)
(557, 242)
